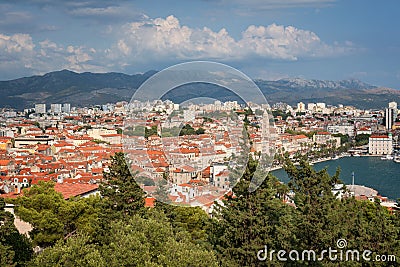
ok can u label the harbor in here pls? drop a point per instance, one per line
(372, 172)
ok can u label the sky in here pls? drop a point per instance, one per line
(266, 39)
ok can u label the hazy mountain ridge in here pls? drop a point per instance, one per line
(347, 92)
(85, 89)
(344, 84)
(79, 89)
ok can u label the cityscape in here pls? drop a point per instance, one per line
(199, 133)
(192, 147)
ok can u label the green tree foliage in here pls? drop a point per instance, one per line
(187, 130)
(369, 226)
(75, 251)
(51, 216)
(344, 138)
(323, 219)
(145, 181)
(15, 248)
(161, 193)
(200, 131)
(249, 220)
(138, 130)
(281, 113)
(121, 195)
(169, 132)
(317, 227)
(150, 131)
(6, 256)
(116, 230)
(152, 242)
(135, 242)
(189, 219)
(207, 119)
(362, 139)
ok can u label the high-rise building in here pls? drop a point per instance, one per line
(40, 108)
(66, 108)
(393, 105)
(389, 118)
(311, 106)
(301, 107)
(55, 108)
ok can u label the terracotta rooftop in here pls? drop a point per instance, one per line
(73, 190)
(379, 136)
(149, 202)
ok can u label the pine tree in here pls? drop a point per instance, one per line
(250, 220)
(122, 196)
(316, 204)
(15, 248)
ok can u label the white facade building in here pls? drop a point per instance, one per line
(311, 106)
(301, 107)
(55, 108)
(380, 145)
(341, 129)
(40, 108)
(66, 108)
(389, 118)
(393, 105)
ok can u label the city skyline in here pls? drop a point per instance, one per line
(314, 39)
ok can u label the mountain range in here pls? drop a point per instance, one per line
(86, 89)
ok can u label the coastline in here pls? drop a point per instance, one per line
(326, 159)
(373, 184)
(275, 168)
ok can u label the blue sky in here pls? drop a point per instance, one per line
(269, 39)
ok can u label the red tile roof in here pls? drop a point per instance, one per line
(379, 136)
(149, 202)
(73, 190)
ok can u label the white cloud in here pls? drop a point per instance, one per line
(19, 54)
(76, 58)
(287, 43)
(107, 14)
(155, 39)
(152, 42)
(277, 4)
(16, 43)
(97, 11)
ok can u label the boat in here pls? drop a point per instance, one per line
(396, 159)
(335, 157)
(356, 155)
(387, 157)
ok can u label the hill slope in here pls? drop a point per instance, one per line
(79, 89)
(85, 89)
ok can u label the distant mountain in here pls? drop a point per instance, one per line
(79, 89)
(319, 84)
(85, 89)
(346, 92)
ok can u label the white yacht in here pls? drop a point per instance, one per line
(387, 157)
